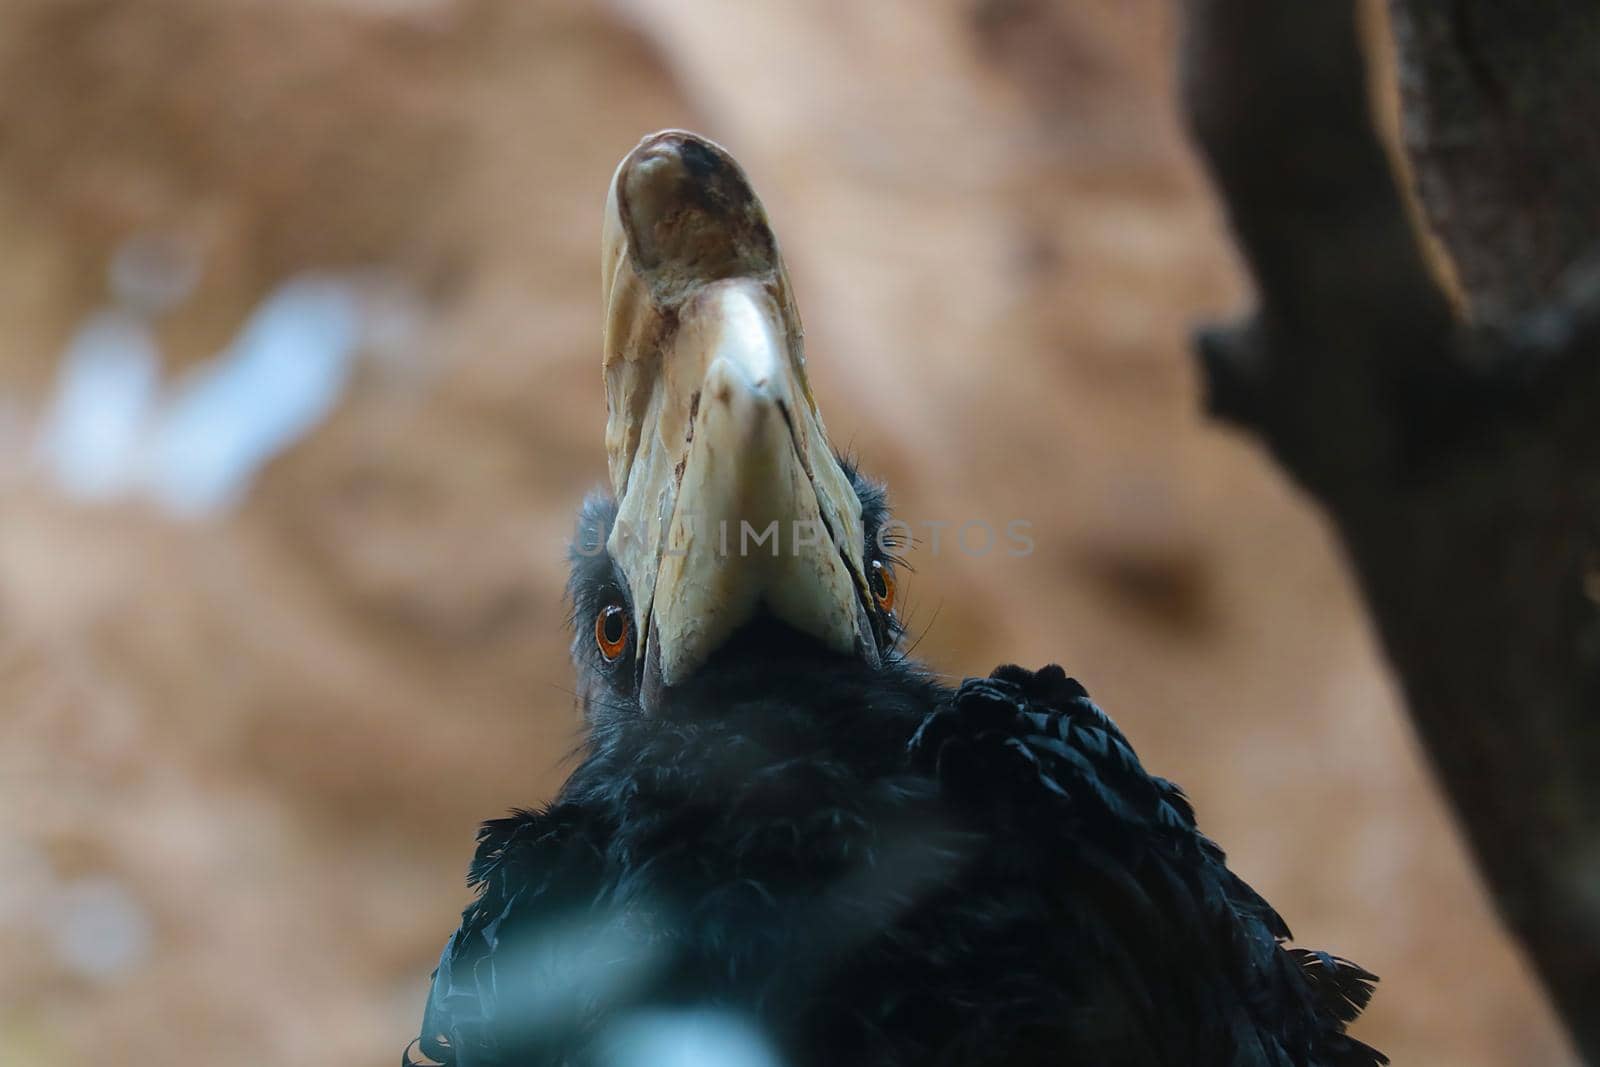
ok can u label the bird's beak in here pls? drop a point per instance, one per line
(730, 502)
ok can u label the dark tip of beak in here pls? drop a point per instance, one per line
(702, 161)
(690, 213)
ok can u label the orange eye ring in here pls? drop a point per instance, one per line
(611, 628)
(882, 583)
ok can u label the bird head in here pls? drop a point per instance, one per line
(732, 530)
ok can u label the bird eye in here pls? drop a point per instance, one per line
(611, 631)
(882, 583)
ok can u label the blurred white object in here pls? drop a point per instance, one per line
(686, 1039)
(104, 394)
(279, 379)
(101, 930)
(110, 373)
(197, 449)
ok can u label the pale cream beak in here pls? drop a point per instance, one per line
(730, 501)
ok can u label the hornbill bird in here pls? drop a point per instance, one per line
(785, 842)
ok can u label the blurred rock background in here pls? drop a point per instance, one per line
(280, 581)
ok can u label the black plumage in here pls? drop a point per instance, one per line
(868, 867)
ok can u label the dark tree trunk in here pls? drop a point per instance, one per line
(1502, 124)
(1460, 462)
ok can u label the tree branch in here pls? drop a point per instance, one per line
(1462, 468)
